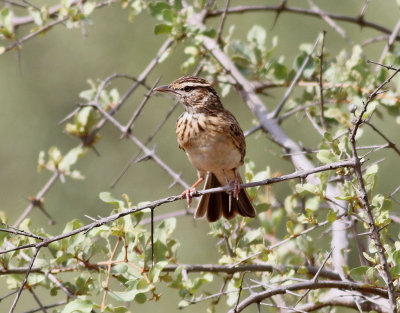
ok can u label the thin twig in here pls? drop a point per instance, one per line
(391, 144)
(275, 113)
(24, 280)
(321, 89)
(135, 115)
(297, 10)
(389, 45)
(314, 123)
(152, 235)
(282, 289)
(315, 278)
(134, 159)
(240, 291)
(330, 22)
(16, 231)
(221, 24)
(103, 302)
(154, 204)
(363, 195)
(50, 306)
(38, 196)
(41, 307)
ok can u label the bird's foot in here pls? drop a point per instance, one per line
(236, 188)
(188, 195)
(188, 192)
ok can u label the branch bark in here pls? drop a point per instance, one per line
(346, 285)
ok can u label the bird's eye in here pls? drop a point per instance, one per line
(187, 88)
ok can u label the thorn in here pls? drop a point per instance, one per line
(175, 181)
(89, 217)
(147, 156)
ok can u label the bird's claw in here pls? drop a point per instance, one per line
(188, 195)
(236, 188)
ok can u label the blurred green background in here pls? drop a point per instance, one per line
(40, 85)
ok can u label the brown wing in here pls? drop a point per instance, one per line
(233, 127)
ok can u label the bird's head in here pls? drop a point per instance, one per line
(195, 93)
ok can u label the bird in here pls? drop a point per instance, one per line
(215, 145)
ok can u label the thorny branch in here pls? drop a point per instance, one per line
(258, 297)
(310, 12)
(156, 203)
(363, 195)
(247, 90)
(38, 199)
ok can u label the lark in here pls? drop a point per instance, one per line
(215, 145)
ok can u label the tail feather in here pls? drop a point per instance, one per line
(217, 204)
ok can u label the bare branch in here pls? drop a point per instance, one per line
(16, 231)
(389, 45)
(42, 308)
(277, 8)
(321, 89)
(129, 126)
(391, 144)
(221, 24)
(347, 285)
(363, 195)
(39, 196)
(288, 91)
(24, 281)
(50, 306)
(330, 22)
(228, 188)
(342, 302)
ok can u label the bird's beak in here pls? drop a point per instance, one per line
(165, 88)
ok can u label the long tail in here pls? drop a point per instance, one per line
(215, 205)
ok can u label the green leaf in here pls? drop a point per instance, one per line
(289, 227)
(162, 29)
(2, 50)
(210, 33)
(279, 71)
(258, 35)
(358, 272)
(89, 7)
(140, 298)
(372, 170)
(328, 136)
(36, 16)
(303, 189)
(71, 157)
(85, 116)
(156, 270)
(156, 9)
(191, 50)
(107, 197)
(239, 47)
(396, 257)
(78, 306)
(178, 5)
(332, 216)
(183, 304)
(125, 296)
(137, 286)
(369, 258)
(55, 155)
(309, 68)
(168, 15)
(252, 235)
(371, 273)
(232, 294)
(326, 156)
